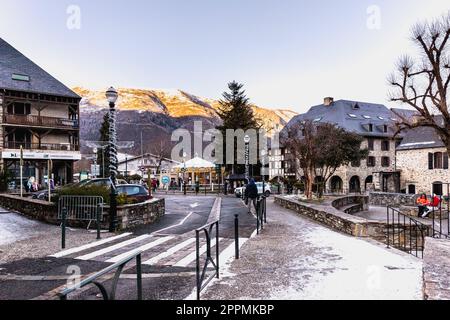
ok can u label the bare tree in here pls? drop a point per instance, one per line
(423, 83)
(299, 140)
(161, 151)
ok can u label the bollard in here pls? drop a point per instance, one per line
(63, 226)
(99, 212)
(236, 235)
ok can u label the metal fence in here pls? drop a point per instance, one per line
(80, 208)
(201, 272)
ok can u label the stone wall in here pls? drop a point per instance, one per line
(351, 204)
(414, 167)
(392, 199)
(436, 269)
(129, 216)
(336, 220)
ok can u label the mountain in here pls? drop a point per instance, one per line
(157, 113)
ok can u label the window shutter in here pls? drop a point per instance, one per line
(430, 161)
(445, 161)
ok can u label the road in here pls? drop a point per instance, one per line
(168, 254)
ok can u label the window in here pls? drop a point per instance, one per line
(385, 145)
(352, 115)
(371, 162)
(370, 127)
(20, 77)
(371, 144)
(386, 162)
(438, 160)
(367, 117)
(385, 129)
(317, 120)
(381, 118)
(19, 108)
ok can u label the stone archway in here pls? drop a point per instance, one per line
(336, 184)
(355, 185)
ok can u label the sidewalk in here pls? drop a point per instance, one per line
(297, 259)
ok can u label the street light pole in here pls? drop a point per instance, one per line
(95, 163)
(263, 162)
(247, 158)
(112, 96)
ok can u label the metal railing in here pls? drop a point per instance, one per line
(80, 208)
(41, 146)
(405, 233)
(201, 272)
(40, 121)
(112, 293)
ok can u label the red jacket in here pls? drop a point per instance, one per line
(435, 202)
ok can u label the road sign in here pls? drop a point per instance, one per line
(95, 170)
(165, 180)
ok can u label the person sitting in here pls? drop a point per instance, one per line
(422, 203)
(434, 204)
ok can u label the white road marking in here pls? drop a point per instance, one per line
(176, 225)
(112, 248)
(169, 252)
(195, 205)
(191, 257)
(88, 246)
(143, 248)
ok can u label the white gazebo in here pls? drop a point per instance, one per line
(198, 169)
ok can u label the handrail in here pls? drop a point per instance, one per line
(41, 121)
(112, 294)
(201, 273)
(415, 247)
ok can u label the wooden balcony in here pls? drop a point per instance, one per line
(42, 146)
(36, 121)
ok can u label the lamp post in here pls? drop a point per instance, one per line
(247, 157)
(263, 162)
(95, 162)
(112, 95)
(126, 167)
(184, 172)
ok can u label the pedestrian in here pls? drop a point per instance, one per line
(422, 203)
(251, 195)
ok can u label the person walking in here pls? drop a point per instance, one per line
(251, 195)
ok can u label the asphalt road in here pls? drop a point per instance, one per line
(168, 255)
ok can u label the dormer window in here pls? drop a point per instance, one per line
(352, 115)
(356, 107)
(370, 127)
(385, 129)
(381, 118)
(367, 117)
(317, 120)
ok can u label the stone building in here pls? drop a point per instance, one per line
(39, 114)
(423, 162)
(376, 123)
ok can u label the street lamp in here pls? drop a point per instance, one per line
(263, 162)
(247, 157)
(112, 95)
(184, 172)
(95, 162)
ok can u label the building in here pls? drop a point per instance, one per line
(142, 165)
(198, 170)
(376, 123)
(422, 159)
(40, 114)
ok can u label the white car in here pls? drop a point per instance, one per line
(240, 192)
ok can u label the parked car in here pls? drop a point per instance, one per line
(134, 192)
(240, 192)
(43, 194)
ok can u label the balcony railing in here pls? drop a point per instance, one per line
(36, 121)
(41, 146)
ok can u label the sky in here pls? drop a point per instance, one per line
(289, 54)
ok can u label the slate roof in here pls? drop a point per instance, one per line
(352, 116)
(421, 138)
(14, 62)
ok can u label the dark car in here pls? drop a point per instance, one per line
(105, 182)
(134, 192)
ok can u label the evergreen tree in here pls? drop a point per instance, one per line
(104, 137)
(236, 113)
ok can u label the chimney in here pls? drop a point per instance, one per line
(328, 101)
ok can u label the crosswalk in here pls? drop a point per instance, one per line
(178, 251)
